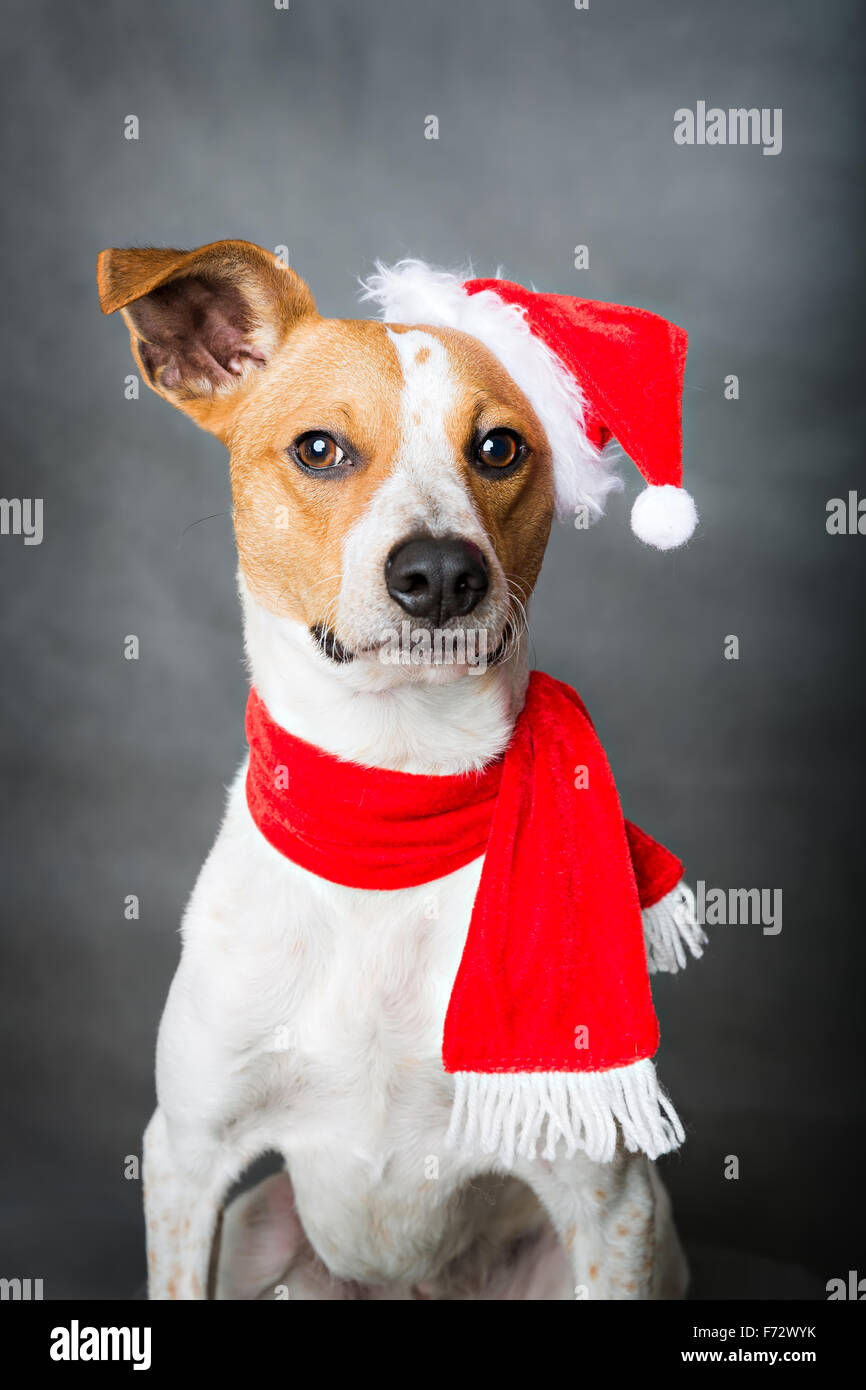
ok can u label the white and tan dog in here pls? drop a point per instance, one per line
(377, 470)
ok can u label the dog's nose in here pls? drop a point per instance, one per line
(436, 577)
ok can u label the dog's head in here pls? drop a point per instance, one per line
(383, 474)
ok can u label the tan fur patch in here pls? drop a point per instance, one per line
(517, 510)
(339, 376)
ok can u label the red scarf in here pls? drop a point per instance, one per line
(550, 1018)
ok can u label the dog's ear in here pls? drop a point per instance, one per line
(261, 1236)
(203, 322)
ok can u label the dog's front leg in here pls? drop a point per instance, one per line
(184, 1187)
(604, 1215)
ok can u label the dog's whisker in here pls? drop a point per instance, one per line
(329, 579)
(515, 582)
(210, 517)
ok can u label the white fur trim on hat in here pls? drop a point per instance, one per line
(664, 516)
(412, 292)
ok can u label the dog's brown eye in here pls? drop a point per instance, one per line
(498, 449)
(318, 451)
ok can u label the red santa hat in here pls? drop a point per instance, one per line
(592, 371)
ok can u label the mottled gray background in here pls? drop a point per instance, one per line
(556, 128)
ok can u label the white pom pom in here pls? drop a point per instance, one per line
(664, 516)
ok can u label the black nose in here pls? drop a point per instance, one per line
(436, 577)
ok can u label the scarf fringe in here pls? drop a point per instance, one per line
(509, 1113)
(669, 927)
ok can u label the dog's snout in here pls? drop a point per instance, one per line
(436, 578)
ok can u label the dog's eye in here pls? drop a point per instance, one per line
(318, 450)
(499, 449)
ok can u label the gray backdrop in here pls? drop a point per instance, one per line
(306, 128)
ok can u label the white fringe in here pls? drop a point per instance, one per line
(508, 1113)
(413, 292)
(669, 926)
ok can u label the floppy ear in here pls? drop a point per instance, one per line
(203, 322)
(261, 1237)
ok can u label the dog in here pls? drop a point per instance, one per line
(381, 472)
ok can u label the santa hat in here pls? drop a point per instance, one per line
(592, 372)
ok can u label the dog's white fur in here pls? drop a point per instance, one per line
(307, 1018)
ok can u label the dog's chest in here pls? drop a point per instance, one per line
(372, 992)
(330, 1004)
(336, 997)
